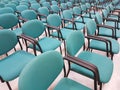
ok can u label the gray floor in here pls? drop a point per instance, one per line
(113, 84)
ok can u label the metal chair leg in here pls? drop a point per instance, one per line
(9, 86)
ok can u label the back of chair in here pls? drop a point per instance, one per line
(41, 72)
(6, 10)
(8, 20)
(8, 41)
(74, 42)
(91, 27)
(21, 8)
(54, 20)
(98, 18)
(33, 28)
(29, 14)
(44, 11)
(67, 14)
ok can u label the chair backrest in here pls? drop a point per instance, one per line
(67, 14)
(54, 20)
(44, 11)
(105, 13)
(21, 8)
(63, 6)
(13, 6)
(84, 8)
(8, 20)
(54, 2)
(35, 6)
(41, 72)
(8, 41)
(74, 42)
(46, 4)
(2, 5)
(29, 14)
(91, 27)
(77, 10)
(6, 10)
(55, 8)
(33, 28)
(98, 18)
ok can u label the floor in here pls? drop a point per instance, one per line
(113, 84)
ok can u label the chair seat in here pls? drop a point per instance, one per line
(85, 19)
(79, 26)
(68, 84)
(65, 33)
(95, 44)
(47, 44)
(11, 66)
(99, 61)
(108, 32)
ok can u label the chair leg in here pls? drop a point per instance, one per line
(9, 86)
(100, 86)
(60, 49)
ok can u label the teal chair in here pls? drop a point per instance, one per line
(102, 43)
(102, 66)
(54, 24)
(35, 6)
(32, 30)
(107, 28)
(11, 22)
(55, 9)
(11, 65)
(70, 22)
(20, 8)
(40, 73)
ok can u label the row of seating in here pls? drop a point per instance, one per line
(63, 27)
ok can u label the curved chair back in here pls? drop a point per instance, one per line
(54, 20)
(74, 42)
(13, 6)
(29, 14)
(98, 18)
(55, 9)
(67, 14)
(91, 27)
(33, 28)
(6, 10)
(46, 4)
(77, 10)
(35, 6)
(41, 72)
(21, 8)
(8, 20)
(2, 5)
(54, 2)
(44, 11)
(8, 37)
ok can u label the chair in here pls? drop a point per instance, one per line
(6, 10)
(35, 6)
(20, 8)
(11, 65)
(55, 9)
(107, 44)
(35, 74)
(32, 30)
(102, 66)
(46, 4)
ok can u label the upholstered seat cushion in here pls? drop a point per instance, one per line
(104, 65)
(68, 84)
(11, 66)
(65, 33)
(51, 43)
(99, 45)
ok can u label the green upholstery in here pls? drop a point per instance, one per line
(99, 45)
(6, 10)
(46, 4)
(98, 18)
(35, 6)
(34, 29)
(53, 44)
(21, 8)
(55, 9)
(43, 10)
(68, 84)
(12, 65)
(40, 73)
(13, 6)
(104, 65)
(29, 14)
(8, 21)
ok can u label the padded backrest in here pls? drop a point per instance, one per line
(21, 8)
(77, 10)
(43, 10)
(67, 14)
(33, 28)
(8, 40)
(83, 7)
(29, 14)
(46, 4)
(8, 20)
(2, 5)
(55, 8)
(98, 18)
(105, 13)
(74, 42)
(6, 10)
(91, 27)
(41, 72)
(54, 20)
(63, 6)
(35, 6)
(13, 6)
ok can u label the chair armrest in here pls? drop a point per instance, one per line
(23, 19)
(111, 19)
(70, 20)
(53, 27)
(105, 26)
(84, 64)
